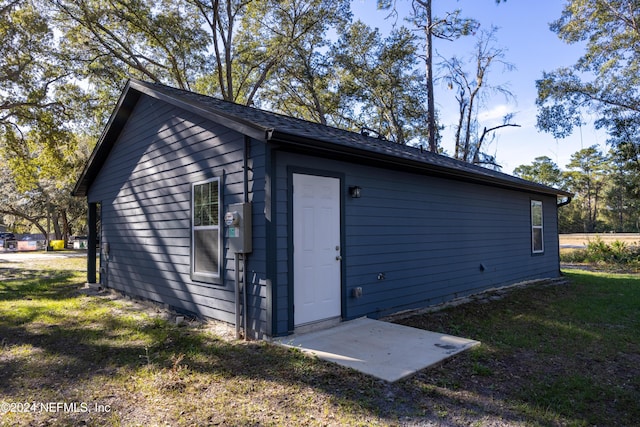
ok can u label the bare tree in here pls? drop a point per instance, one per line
(449, 27)
(471, 87)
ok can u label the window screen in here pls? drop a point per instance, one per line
(205, 232)
(537, 239)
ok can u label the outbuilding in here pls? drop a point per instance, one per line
(273, 223)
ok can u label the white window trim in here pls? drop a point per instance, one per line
(199, 275)
(534, 227)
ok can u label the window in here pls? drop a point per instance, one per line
(537, 240)
(205, 230)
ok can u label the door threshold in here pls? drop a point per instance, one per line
(317, 325)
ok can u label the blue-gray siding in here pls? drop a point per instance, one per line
(144, 189)
(427, 235)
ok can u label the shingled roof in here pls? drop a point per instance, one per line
(277, 128)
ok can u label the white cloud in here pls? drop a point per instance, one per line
(496, 113)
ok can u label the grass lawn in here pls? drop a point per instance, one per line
(550, 355)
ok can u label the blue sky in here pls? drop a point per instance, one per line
(531, 47)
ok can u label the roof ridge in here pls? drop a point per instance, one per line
(268, 125)
(419, 148)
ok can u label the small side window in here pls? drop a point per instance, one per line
(537, 234)
(205, 230)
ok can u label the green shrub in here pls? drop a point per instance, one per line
(573, 255)
(600, 252)
(620, 251)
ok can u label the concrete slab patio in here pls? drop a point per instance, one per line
(384, 350)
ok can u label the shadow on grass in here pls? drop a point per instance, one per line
(60, 345)
(569, 352)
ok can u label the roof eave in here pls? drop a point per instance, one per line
(134, 89)
(128, 99)
(119, 117)
(231, 121)
(434, 169)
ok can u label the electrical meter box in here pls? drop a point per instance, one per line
(237, 221)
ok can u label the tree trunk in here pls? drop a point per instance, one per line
(35, 221)
(56, 225)
(431, 118)
(66, 229)
(462, 104)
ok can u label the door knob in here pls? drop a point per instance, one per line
(338, 258)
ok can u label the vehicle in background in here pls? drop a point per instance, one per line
(8, 241)
(7, 236)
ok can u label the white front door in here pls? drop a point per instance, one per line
(316, 248)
